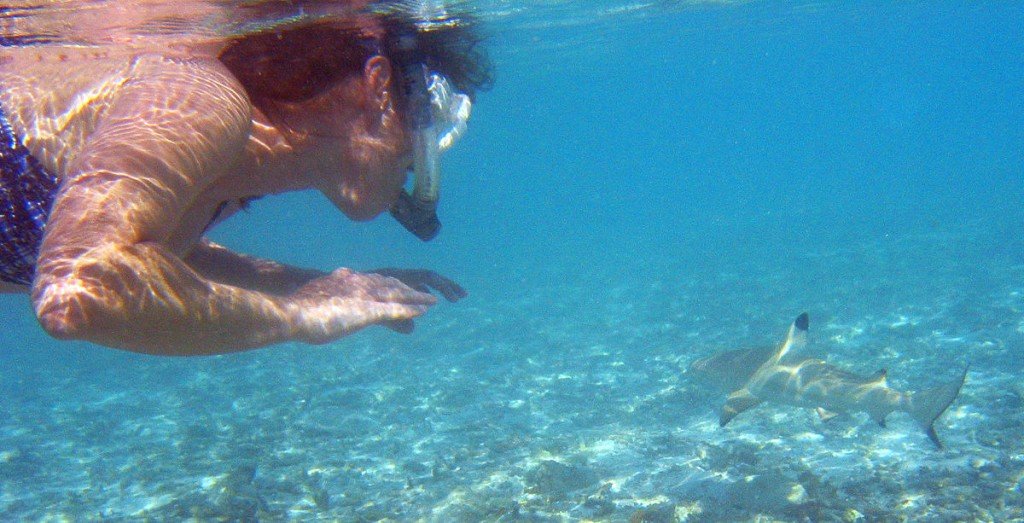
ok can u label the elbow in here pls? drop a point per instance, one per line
(67, 313)
(61, 324)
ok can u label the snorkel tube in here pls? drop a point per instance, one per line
(417, 212)
(428, 97)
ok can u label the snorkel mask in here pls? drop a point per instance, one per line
(437, 116)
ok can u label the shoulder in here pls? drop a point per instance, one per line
(56, 99)
(55, 78)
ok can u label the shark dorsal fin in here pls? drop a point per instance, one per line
(879, 377)
(796, 338)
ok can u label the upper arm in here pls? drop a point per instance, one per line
(171, 130)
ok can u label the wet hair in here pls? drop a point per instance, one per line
(296, 63)
(453, 48)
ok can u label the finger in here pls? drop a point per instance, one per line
(400, 326)
(400, 311)
(411, 296)
(418, 280)
(339, 317)
(395, 316)
(426, 281)
(448, 288)
(455, 292)
(390, 290)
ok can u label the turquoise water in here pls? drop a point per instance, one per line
(646, 184)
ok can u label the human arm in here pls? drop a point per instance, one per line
(218, 263)
(104, 272)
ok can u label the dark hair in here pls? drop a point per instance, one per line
(297, 62)
(293, 64)
(452, 47)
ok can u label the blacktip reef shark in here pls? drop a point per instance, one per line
(777, 374)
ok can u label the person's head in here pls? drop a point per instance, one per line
(335, 87)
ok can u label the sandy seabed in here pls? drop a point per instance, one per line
(566, 399)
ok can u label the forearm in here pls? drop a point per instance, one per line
(217, 263)
(141, 298)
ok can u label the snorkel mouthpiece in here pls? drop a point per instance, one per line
(418, 217)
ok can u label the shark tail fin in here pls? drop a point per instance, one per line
(927, 405)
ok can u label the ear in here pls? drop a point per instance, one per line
(377, 73)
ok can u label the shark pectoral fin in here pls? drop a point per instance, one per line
(737, 402)
(878, 413)
(825, 415)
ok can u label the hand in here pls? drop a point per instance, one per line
(344, 301)
(424, 281)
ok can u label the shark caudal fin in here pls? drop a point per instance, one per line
(926, 406)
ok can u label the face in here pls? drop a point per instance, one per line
(355, 140)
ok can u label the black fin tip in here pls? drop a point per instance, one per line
(802, 321)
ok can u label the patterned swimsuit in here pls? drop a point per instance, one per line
(27, 191)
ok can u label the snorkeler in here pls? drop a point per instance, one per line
(117, 157)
